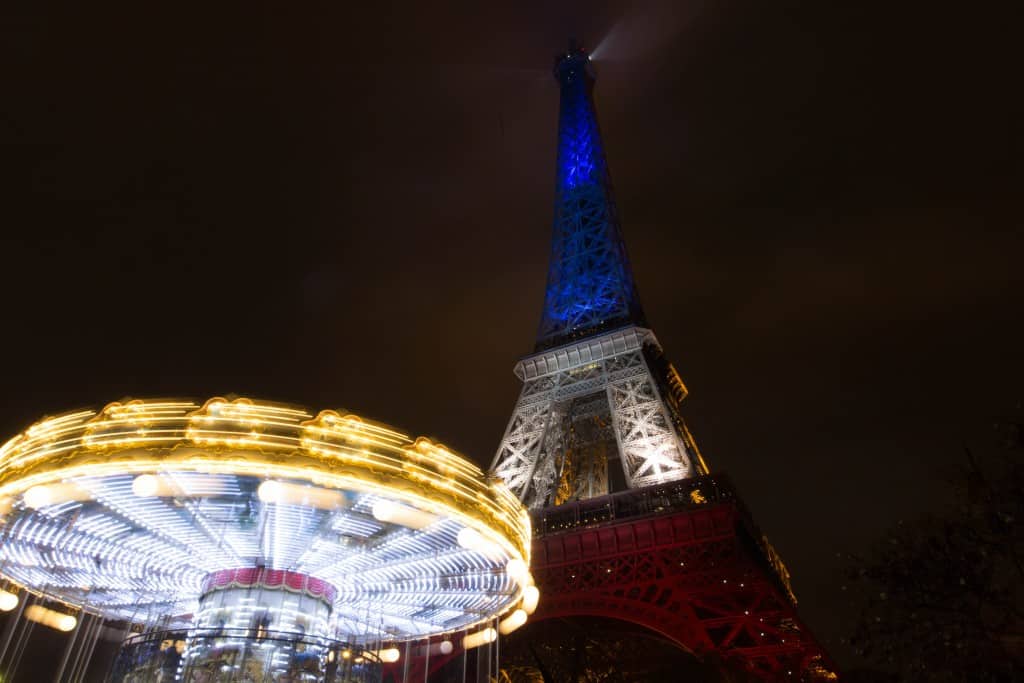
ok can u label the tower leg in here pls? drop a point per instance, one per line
(555, 447)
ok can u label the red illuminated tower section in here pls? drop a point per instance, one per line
(629, 524)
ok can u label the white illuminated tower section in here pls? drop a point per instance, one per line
(599, 407)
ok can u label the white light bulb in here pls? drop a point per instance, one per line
(531, 596)
(517, 570)
(471, 539)
(8, 601)
(387, 511)
(488, 635)
(270, 491)
(383, 510)
(38, 496)
(145, 485)
(514, 621)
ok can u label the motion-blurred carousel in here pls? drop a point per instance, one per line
(251, 541)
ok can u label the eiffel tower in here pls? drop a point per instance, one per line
(629, 522)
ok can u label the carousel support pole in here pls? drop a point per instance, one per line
(465, 656)
(92, 648)
(86, 626)
(15, 619)
(67, 651)
(19, 648)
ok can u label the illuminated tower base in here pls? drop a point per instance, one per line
(594, 417)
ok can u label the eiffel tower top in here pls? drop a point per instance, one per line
(590, 286)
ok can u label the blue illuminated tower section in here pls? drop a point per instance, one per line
(590, 285)
(599, 408)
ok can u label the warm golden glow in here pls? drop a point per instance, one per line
(512, 622)
(702, 465)
(488, 635)
(48, 617)
(517, 570)
(779, 566)
(531, 596)
(146, 485)
(294, 494)
(8, 601)
(387, 511)
(471, 539)
(153, 438)
(388, 655)
(42, 495)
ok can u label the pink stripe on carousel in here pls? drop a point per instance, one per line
(274, 579)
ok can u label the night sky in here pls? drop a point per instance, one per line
(351, 208)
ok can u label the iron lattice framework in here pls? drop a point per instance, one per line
(627, 523)
(684, 560)
(598, 408)
(590, 286)
(613, 387)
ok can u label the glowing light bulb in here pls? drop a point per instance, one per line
(8, 601)
(442, 647)
(52, 618)
(514, 621)
(517, 570)
(470, 539)
(43, 495)
(38, 496)
(389, 655)
(145, 485)
(270, 491)
(388, 511)
(488, 635)
(284, 493)
(384, 510)
(531, 596)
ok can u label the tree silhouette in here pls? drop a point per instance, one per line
(942, 597)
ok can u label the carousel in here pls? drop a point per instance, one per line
(237, 540)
